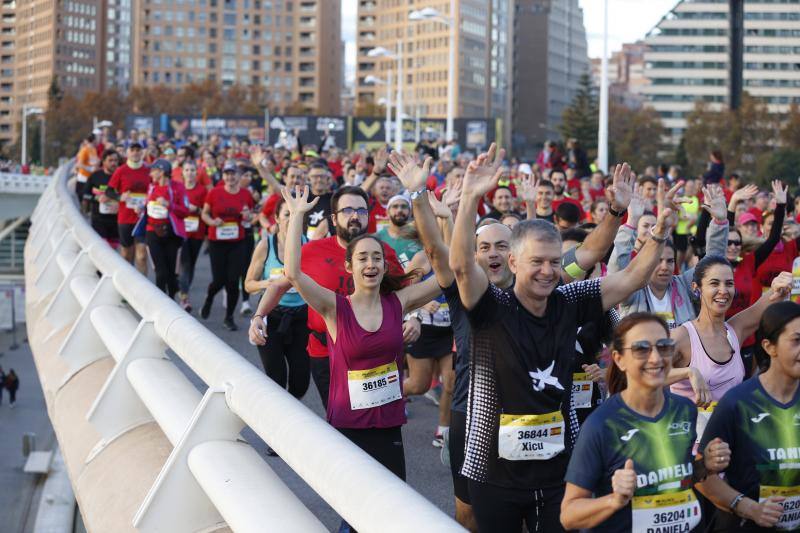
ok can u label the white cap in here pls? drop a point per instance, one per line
(525, 168)
(398, 198)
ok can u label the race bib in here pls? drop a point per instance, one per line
(442, 316)
(156, 210)
(374, 387)
(107, 208)
(136, 200)
(676, 511)
(795, 297)
(228, 231)
(530, 437)
(191, 224)
(790, 519)
(703, 416)
(275, 273)
(380, 224)
(310, 232)
(582, 388)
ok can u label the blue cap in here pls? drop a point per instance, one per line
(163, 165)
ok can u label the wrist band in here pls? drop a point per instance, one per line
(721, 222)
(618, 214)
(569, 263)
(735, 502)
(659, 240)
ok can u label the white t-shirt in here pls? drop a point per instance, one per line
(662, 307)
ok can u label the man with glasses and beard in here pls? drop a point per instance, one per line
(324, 261)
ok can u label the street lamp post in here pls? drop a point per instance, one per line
(27, 110)
(387, 102)
(602, 133)
(429, 13)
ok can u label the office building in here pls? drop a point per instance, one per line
(482, 56)
(290, 48)
(550, 56)
(688, 58)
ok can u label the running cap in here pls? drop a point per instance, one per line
(163, 165)
(230, 166)
(136, 145)
(525, 168)
(398, 198)
(311, 153)
(746, 218)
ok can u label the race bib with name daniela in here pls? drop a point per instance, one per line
(662, 513)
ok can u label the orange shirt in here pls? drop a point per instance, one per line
(87, 157)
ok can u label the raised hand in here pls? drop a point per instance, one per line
(381, 158)
(780, 191)
(742, 194)
(781, 287)
(484, 172)
(623, 483)
(714, 202)
(529, 187)
(411, 175)
(439, 207)
(452, 194)
(637, 206)
(717, 455)
(297, 200)
(620, 193)
(667, 200)
(257, 156)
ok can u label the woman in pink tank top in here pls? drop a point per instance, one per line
(365, 337)
(708, 348)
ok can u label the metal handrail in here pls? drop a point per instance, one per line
(66, 252)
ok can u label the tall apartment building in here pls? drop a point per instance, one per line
(626, 78)
(50, 40)
(291, 48)
(117, 41)
(688, 57)
(482, 53)
(550, 56)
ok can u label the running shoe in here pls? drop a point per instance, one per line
(434, 394)
(206, 309)
(246, 310)
(438, 440)
(229, 324)
(185, 303)
(445, 453)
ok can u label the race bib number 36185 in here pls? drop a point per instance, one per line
(374, 387)
(530, 437)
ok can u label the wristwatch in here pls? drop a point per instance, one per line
(618, 214)
(416, 194)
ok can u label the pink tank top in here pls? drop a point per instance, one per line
(367, 369)
(719, 377)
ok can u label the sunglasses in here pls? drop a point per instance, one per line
(350, 211)
(642, 349)
(734, 243)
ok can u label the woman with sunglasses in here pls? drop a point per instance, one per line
(761, 420)
(633, 468)
(709, 344)
(364, 337)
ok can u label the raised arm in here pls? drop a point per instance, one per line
(762, 252)
(322, 300)
(618, 286)
(745, 323)
(416, 295)
(257, 156)
(596, 245)
(717, 232)
(481, 176)
(381, 158)
(529, 186)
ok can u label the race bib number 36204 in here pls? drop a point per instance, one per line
(530, 437)
(675, 511)
(374, 387)
(790, 518)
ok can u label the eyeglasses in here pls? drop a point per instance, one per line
(734, 243)
(350, 211)
(642, 349)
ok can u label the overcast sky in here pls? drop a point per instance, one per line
(628, 20)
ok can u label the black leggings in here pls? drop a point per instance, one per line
(164, 252)
(499, 509)
(321, 372)
(287, 334)
(385, 445)
(188, 258)
(249, 246)
(227, 258)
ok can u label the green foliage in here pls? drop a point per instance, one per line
(579, 120)
(634, 136)
(783, 164)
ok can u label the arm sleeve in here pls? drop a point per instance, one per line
(716, 239)
(623, 248)
(762, 252)
(586, 464)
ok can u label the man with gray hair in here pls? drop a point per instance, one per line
(521, 426)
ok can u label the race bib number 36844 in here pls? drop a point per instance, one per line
(374, 387)
(530, 437)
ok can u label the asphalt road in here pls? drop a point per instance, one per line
(425, 471)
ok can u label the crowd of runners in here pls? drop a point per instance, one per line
(615, 352)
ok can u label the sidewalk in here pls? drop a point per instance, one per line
(18, 499)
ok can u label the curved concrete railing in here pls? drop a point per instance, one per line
(147, 451)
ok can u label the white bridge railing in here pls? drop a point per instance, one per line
(212, 478)
(23, 183)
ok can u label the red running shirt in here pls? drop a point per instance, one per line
(228, 207)
(135, 183)
(323, 261)
(196, 197)
(378, 216)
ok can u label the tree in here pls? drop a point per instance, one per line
(790, 131)
(783, 164)
(579, 120)
(634, 135)
(370, 109)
